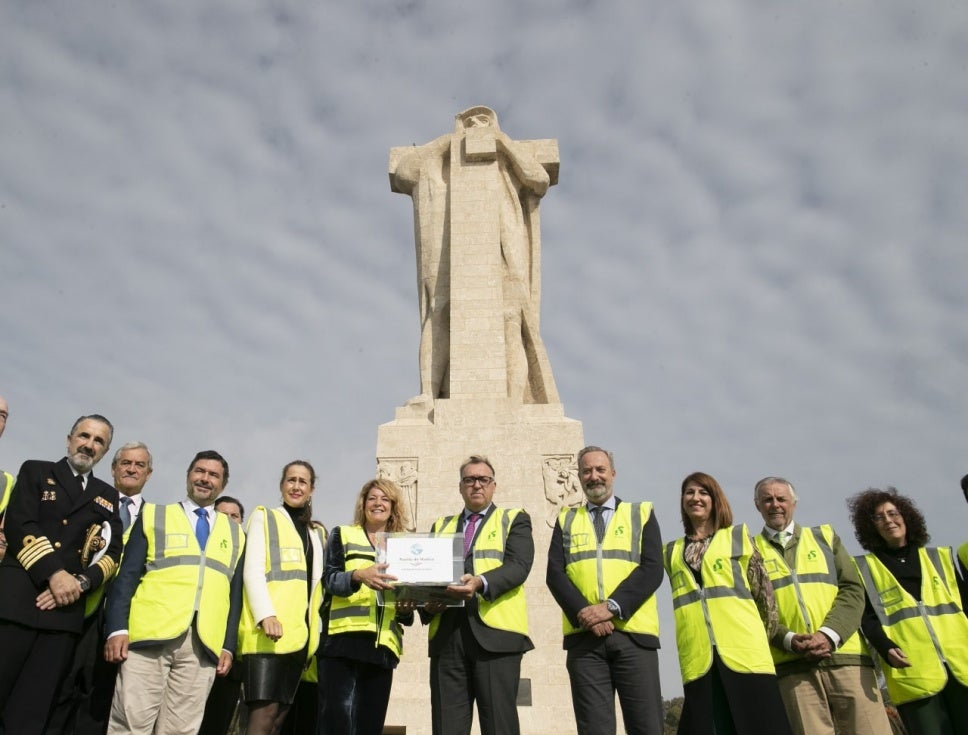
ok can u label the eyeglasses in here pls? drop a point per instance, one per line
(891, 515)
(484, 480)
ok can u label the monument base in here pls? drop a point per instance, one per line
(533, 449)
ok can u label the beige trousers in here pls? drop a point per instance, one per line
(836, 699)
(162, 689)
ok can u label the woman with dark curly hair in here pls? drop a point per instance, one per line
(725, 612)
(915, 616)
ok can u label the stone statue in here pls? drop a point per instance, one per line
(442, 177)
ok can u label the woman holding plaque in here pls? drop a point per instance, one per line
(363, 639)
(280, 625)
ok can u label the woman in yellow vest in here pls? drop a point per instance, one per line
(279, 630)
(724, 611)
(915, 615)
(364, 640)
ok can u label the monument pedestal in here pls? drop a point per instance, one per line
(532, 448)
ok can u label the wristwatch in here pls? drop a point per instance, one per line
(83, 581)
(613, 607)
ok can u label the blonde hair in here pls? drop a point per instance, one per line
(398, 521)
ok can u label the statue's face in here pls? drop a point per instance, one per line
(478, 121)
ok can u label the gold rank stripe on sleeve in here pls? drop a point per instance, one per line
(108, 566)
(35, 548)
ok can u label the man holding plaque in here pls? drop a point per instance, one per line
(475, 650)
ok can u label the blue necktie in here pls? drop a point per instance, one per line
(201, 527)
(125, 512)
(599, 522)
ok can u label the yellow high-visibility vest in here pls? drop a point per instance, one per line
(510, 610)
(722, 612)
(287, 578)
(805, 594)
(597, 569)
(8, 483)
(360, 612)
(930, 632)
(179, 579)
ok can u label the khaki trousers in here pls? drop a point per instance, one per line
(835, 699)
(162, 689)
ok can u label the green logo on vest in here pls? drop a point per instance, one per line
(493, 533)
(812, 556)
(620, 530)
(224, 544)
(718, 565)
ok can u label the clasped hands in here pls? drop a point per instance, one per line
(597, 619)
(812, 646)
(62, 589)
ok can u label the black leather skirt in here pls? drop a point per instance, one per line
(271, 677)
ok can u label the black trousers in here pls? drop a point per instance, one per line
(223, 700)
(83, 705)
(464, 673)
(32, 666)
(598, 668)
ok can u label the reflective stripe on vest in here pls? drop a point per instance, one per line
(930, 632)
(360, 613)
(722, 612)
(596, 569)
(510, 610)
(806, 593)
(179, 579)
(286, 573)
(8, 481)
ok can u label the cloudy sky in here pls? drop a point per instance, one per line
(754, 262)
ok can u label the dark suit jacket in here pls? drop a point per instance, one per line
(518, 558)
(129, 577)
(634, 590)
(46, 503)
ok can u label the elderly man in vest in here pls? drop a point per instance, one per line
(173, 612)
(825, 672)
(476, 650)
(604, 566)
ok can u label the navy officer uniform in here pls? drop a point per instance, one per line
(50, 519)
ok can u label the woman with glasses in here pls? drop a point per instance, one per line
(915, 616)
(725, 613)
(364, 639)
